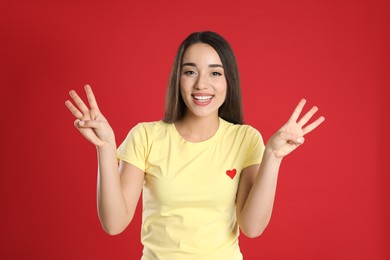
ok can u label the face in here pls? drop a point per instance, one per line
(202, 81)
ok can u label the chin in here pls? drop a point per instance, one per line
(204, 114)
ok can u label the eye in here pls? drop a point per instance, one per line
(189, 72)
(216, 73)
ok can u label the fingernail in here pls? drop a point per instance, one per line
(300, 139)
(81, 123)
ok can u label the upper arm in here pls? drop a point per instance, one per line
(247, 178)
(132, 180)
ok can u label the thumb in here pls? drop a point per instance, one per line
(292, 138)
(300, 140)
(88, 124)
(87, 131)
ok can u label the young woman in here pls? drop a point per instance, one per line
(203, 173)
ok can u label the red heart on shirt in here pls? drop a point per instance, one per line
(231, 173)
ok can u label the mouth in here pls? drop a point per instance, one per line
(202, 99)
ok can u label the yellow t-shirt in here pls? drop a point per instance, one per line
(190, 188)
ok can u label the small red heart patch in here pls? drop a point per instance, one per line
(231, 173)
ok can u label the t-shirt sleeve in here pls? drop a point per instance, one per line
(255, 148)
(133, 149)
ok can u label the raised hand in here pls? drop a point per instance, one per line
(291, 135)
(90, 121)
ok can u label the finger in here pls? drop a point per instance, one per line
(88, 133)
(292, 138)
(285, 150)
(76, 123)
(91, 97)
(313, 125)
(292, 142)
(298, 110)
(79, 102)
(307, 116)
(73, 109)
(90, 124)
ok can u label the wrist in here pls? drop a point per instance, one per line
(106, 146)
(270, 155)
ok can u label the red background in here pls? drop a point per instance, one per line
(333, 194)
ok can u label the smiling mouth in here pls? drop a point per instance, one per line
(202, 98)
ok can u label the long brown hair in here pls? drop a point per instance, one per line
(231, 109)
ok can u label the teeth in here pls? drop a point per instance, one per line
(203, 97)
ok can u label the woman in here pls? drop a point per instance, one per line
(203, 173)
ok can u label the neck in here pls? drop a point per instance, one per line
(197, 129)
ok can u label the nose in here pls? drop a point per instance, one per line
(201, 83)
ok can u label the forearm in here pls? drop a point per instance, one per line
(111, 204)
(256, 212)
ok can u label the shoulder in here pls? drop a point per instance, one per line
(151, 129)
(151, 126)
(246, 139)
(241, 130)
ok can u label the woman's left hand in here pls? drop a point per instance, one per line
(291, 135)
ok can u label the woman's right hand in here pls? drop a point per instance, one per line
(90, 121)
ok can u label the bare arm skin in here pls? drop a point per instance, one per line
(256, 192)
(118, 188)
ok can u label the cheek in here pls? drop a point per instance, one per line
(182, 90)
(222, 88)
(224, 91)
(184, 85)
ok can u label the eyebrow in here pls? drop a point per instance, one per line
(194, 65)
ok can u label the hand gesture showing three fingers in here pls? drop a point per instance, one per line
(291, 135)
(90, 121)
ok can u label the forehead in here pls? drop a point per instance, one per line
(201, 53)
